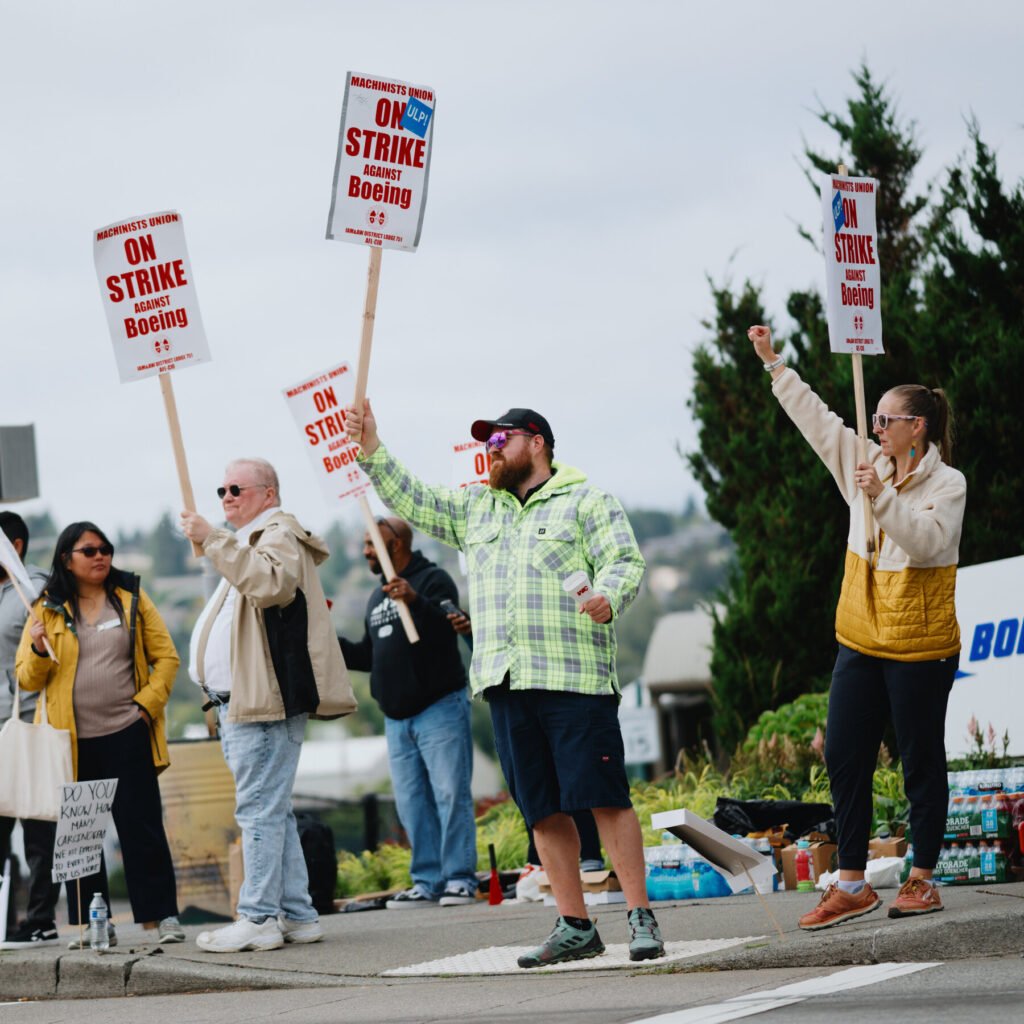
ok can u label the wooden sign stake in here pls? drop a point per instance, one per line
(767, 909)
(362, 376)
(862, 432)
(389, 570)
(180, 462)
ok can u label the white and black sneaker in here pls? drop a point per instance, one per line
(411, 899)
(30, 936)
(458, 894)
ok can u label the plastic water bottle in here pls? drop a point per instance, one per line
(804, 879)
(99, 931)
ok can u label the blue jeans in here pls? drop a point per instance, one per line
(431, 759)
(263, 758)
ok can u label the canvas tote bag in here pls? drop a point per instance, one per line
(35, 761)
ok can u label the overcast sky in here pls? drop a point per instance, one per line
(593, 163)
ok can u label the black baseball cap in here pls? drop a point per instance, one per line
(514, 419)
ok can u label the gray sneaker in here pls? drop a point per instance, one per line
(564, 943)
(170, 931)
(644, 935)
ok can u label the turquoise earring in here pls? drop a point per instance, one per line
(913, 452)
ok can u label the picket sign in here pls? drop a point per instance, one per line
(148, 295)
(378, 199)
(853, 292)
(471, 464)
(23, 585)
(320, 417)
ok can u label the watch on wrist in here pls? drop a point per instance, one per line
(774, 365)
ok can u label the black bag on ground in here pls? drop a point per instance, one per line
(317, 841)
(738, 817)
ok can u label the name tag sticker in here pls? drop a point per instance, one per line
(112, 624)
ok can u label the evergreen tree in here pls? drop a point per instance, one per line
(974, 334)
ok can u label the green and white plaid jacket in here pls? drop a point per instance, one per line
(524, 623)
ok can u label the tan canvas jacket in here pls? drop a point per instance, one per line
(285, 658)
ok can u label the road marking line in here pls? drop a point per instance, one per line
(785, 995)
(502, 959)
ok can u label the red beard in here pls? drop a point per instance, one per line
(507, 475)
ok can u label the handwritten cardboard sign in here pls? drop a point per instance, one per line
(82, 823)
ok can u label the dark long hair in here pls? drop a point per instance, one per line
(933, 405)
(61, 585)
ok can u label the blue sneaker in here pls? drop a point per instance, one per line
(564, 943)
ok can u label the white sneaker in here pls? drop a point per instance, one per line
(241, 936)
(300, 931)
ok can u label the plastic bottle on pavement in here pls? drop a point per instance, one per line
(804, 873)
(99, 931)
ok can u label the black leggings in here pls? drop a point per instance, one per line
(138, 816)
(865, 691)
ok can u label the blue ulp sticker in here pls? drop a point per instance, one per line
(416, 118)
(838, 213)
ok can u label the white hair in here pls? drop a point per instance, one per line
(264, 471)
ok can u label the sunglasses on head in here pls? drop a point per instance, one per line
(234, 490)
(91, 550)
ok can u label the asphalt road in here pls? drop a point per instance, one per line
(989, 990)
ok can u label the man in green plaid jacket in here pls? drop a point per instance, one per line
(545, 666)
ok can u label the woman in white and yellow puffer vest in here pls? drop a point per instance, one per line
(899, 642)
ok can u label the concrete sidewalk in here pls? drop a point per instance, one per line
(399, 947)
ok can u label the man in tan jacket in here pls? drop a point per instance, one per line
(265, 654)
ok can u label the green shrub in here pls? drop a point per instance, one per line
(798, 721)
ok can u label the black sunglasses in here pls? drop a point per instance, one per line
(91, 551)
(234, 490)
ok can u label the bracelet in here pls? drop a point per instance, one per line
(768, 367)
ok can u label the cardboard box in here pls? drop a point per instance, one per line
(593, 882)
(824, 857)
(888, 847)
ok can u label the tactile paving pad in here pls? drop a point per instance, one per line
(502, 959)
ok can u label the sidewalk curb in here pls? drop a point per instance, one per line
(982, 925)
(930, 938)
(88, 976)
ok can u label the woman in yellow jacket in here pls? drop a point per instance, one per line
(899, 642)
(117, 667)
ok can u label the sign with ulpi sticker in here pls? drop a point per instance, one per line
(471, 464)
(317, 405)
(383, 163)
(853, 277)
(149, 295)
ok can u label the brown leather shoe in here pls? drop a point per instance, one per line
(837, 906)
(916, 896)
